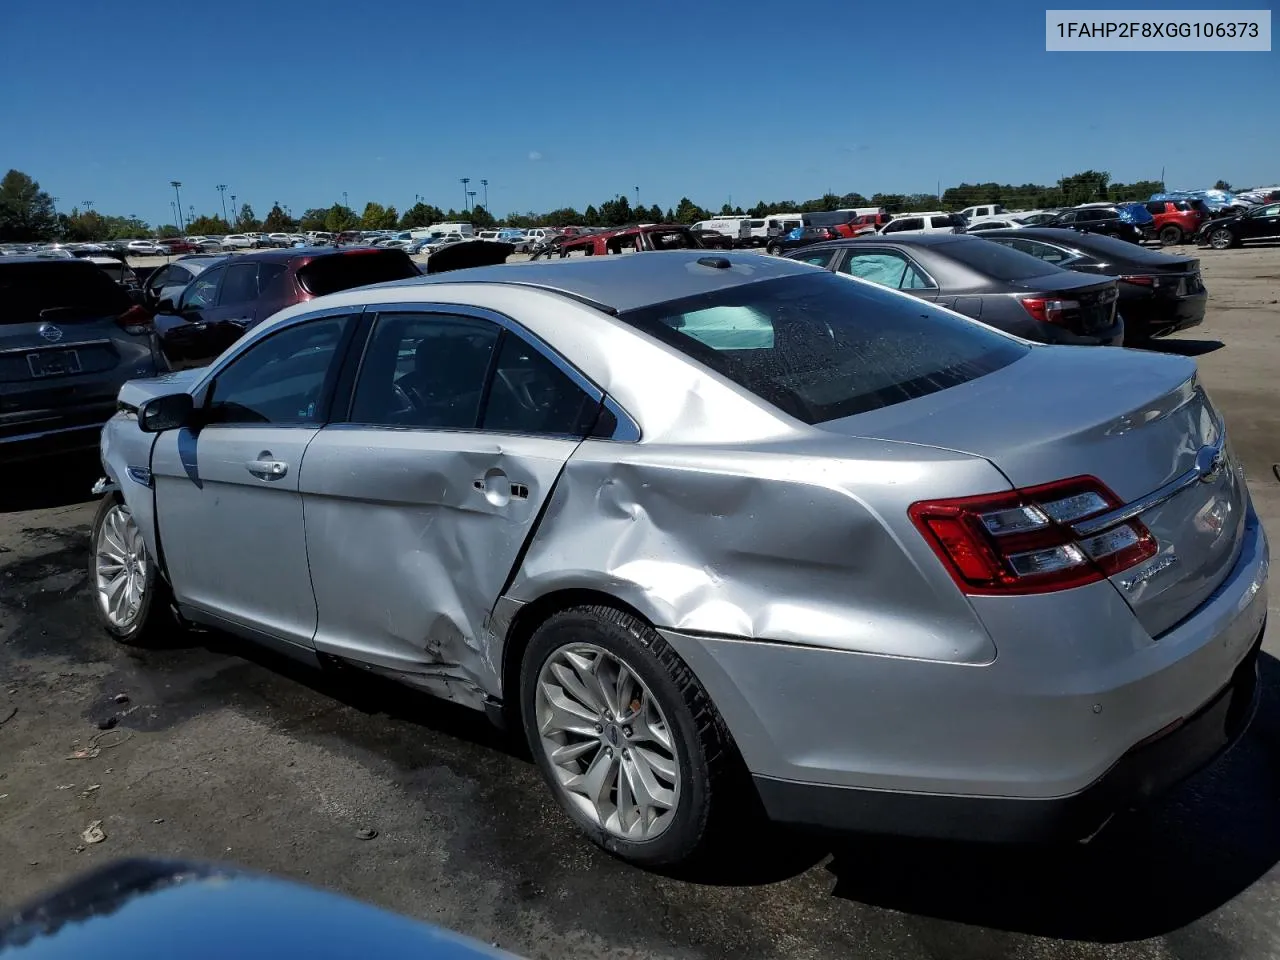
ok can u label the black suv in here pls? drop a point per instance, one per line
(1106, 220)
(69, 338)
(1259, 223)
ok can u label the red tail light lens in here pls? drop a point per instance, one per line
(1048, 311)
(1021, 541)
(135, 320)
(1140, 281)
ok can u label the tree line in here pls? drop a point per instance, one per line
(27, 213)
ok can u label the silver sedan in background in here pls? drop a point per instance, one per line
(713, 530)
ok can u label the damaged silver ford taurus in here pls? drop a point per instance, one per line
(717, 531)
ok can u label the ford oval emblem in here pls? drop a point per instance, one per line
(50, 332)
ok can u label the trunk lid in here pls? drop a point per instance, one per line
(1138, 422)
(1092, 299)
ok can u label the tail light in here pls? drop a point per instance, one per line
(1140, 281)
(1048, 311)
(1021, 541)
(135, 320)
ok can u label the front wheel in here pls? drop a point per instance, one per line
(1222, 239)
(773, 250)
(131, 599)
(629, 741)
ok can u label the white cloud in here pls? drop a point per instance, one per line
(535, 156)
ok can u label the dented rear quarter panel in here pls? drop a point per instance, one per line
(123, 446)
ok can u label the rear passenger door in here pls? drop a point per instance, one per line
(418, 506)
(889, 268)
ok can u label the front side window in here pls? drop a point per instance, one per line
(240, 285)
(424, 370)
(281, 379)
(818, 258)
(908, 223)
(203, 292)
(887, 268)
(819, 348)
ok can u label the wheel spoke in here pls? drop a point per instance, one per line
(663, 766)
(572, 684)
(596, 782)
(572, 751)
(645, 786)
(564, 715)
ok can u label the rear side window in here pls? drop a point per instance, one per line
(942, 222)
(993, 259)
(58, 291)
(819, 347)
(240, 284)
(355, 268)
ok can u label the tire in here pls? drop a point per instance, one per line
(773, 250)
(672, 704)
(1222, 239)
(1170, 235)
(150, 622)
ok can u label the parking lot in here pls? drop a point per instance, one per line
(215, 750)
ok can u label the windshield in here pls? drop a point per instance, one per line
(58, 290)
(819, 347)
(995, 260)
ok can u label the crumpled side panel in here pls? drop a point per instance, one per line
(788, 544)
(123, 446)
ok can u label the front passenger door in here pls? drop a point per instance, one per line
(229, 514)
(183, 336)
(418, 507)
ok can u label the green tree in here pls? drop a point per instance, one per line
(689, 212)
(26, 211)
(374, 217)
(481, 218)
(670, 217)
(420, 215)
(1222, 185)
(206, 224)
(616, 212)
(278, 221)
(168, 231)
(246, 221)
(313, 219)
(654, 215)
(564, 217)
(1086, 187)
(340, 218)
(591, 216)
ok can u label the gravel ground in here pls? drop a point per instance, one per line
(224, 752)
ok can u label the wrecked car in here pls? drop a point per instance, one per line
(646, 237)
(716, 530)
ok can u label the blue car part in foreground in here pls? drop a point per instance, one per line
(161, 909)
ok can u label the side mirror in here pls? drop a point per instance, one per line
(166, 305)
(165, 413)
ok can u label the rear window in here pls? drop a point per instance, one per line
(58, 291)
(1112, 248)
(819, 347)
(355, 268)
(995, 259)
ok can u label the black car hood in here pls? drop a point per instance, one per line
(469, 253)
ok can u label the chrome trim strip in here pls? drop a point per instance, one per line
(1170, 490)
(36, 348)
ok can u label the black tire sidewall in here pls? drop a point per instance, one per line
(681, 839)
(138, 633)
(1173, 232)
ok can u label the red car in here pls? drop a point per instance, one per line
(658, 236)
(870, 223)
(178, 245)
(1176, 221)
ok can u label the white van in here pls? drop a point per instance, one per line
(736, 229)
(983, 210)
(440, 229)
(863, 211)
(930, 221)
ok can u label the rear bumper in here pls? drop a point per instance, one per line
(1064, 726)
(1161, 316)
(1145, 772)
(52, 442)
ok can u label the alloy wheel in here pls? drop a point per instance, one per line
(608, 741)
(1220, 239)
(121, 567)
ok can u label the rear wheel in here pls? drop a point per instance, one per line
(774, 250)
(631, 745)
(1170, 235)
(1222, 239)
(131, 599)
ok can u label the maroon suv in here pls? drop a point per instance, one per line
(220, 304)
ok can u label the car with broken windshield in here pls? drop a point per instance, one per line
(716, 532)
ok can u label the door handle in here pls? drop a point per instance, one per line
(266, 468)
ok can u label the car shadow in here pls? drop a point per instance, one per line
(60, 481)
(1184, 348)
(1148, 873)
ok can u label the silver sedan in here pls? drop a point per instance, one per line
(717, 533)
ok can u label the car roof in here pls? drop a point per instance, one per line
(36, 258)
(620, 282)
(884, 239)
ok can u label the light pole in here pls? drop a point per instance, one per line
(222, 192)
(235, 212)
(485, 184)
(178, 197)
(344, 198)
(637, 198)
(88, 204)
(471, 195)
(173, 210)
(465, 181)
(192, 208)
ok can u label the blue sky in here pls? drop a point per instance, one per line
(568, 103)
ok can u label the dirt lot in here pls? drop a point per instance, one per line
(223, 752)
